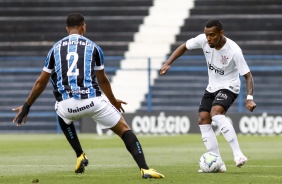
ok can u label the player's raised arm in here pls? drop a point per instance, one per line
(176, 54)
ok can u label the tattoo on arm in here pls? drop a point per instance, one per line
(249, 84)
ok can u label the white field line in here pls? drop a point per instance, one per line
(55, 165)
(117, 165)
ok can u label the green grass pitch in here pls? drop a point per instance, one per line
(49, 159)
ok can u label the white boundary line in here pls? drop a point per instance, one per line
(117, 165)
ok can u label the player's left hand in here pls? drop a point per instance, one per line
(22, 114)
(118, 105)
(250, 105)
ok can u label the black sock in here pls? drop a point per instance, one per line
(134, 147)
(70, 133)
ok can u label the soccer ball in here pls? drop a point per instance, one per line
(210, 162)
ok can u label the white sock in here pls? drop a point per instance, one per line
(209, 138)
(228, 132)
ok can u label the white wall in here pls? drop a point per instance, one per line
(153, 40)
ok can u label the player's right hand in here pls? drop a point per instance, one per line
(164, 69)
(22, 114)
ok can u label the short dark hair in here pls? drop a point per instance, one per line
(75, 19)
(214, 22)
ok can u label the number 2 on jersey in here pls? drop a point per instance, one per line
(75, 59)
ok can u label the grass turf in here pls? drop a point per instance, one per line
(49, 159)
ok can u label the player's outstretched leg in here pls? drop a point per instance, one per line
(134, 147)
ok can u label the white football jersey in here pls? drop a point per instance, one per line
(224, 65)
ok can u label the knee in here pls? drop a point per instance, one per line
(217, 110)
(204, 119)
(120, 127)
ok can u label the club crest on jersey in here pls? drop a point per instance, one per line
(224, 60)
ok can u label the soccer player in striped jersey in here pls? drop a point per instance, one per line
(75, 65)
(225, 63)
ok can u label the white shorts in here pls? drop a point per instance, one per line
(98, 108)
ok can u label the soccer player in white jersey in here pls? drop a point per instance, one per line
(75, 65)
(225, 63)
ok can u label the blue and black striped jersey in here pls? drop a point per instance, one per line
(72, 62)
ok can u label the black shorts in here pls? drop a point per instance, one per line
(223, 97)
